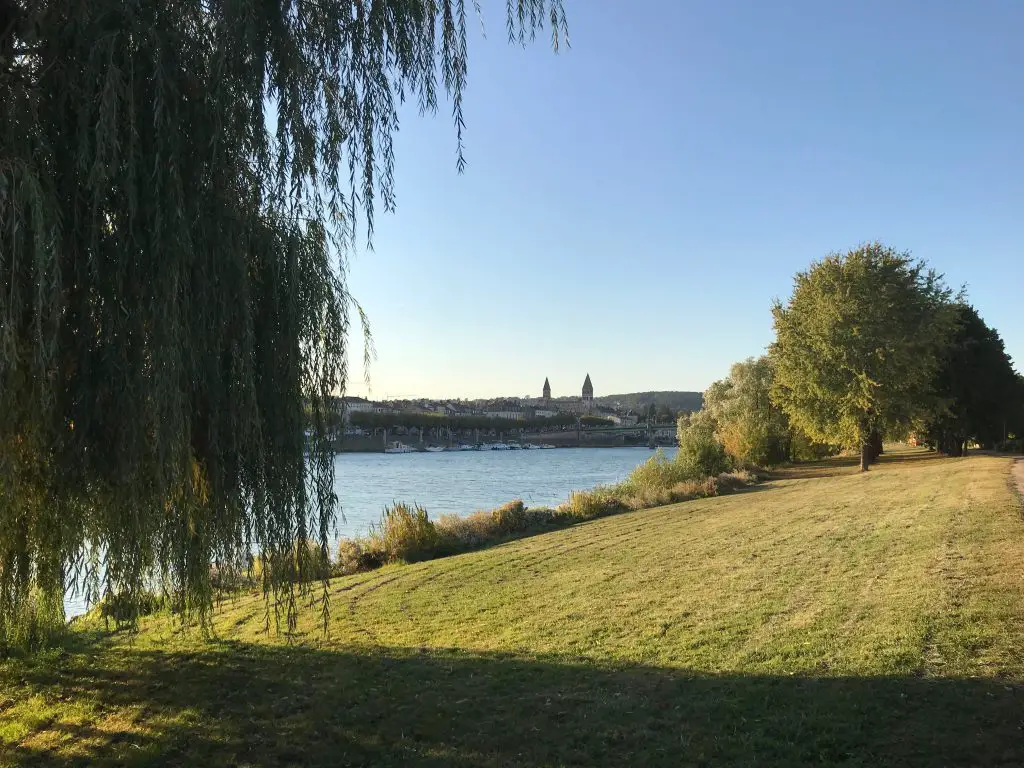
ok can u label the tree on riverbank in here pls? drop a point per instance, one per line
(752, 428)
(858, 344)
(975, 388)
(179, 185)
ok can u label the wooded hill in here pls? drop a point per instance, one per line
(639, 401)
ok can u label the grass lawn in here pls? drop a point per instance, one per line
(824, 617)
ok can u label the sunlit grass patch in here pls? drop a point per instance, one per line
(823, 617)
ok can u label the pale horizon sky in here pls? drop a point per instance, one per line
(632, 205)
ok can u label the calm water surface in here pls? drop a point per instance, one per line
(462, 482)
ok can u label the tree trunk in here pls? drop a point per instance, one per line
(867, 445)
(876, 444)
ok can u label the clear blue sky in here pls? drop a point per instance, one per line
(632, 205)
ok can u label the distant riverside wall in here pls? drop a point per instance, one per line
(567, 439)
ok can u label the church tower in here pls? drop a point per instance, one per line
(547, 390)
(588, 395)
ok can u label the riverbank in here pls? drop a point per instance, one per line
(460, 483)
(830, 617)
(407, 534)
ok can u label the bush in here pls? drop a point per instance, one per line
(682, 491)
(656, 482)
(658, 473)
(458, 534)
(354, 556)
(405, 533)
(584, 505)
(647, 497)
(700, 452)
(540, 518)
(510, 517)
(543, 515)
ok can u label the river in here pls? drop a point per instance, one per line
(462, 482)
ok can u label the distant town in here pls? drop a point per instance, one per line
(577, 420)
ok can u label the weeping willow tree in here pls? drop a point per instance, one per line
(180, 181)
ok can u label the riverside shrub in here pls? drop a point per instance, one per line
(700, 452)
(686, 490)
(598, 502)
(405, 533)
(355, 555)
(458, 534)
(653, 484)
(658, 473)
(510, 517)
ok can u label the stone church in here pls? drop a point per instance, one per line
(585, 404)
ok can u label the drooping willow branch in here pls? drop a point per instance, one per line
(180, 181)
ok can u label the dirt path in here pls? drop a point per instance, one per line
(1017, 471)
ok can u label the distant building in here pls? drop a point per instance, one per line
(515, 415)
(352, 405)
(588, 395)
(546, 391)
(504, 408)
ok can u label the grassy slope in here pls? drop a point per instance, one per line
(825, 617)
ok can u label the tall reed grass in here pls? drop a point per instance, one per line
(405, 533)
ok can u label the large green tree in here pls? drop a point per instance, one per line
(857, 345)
(1015, 421)
(179, 183)
(975, 387)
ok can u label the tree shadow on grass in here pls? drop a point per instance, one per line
(910, 457)
(273, 706)
(849, 465)
(809, 470)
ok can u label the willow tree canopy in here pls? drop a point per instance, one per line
(179, 183)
